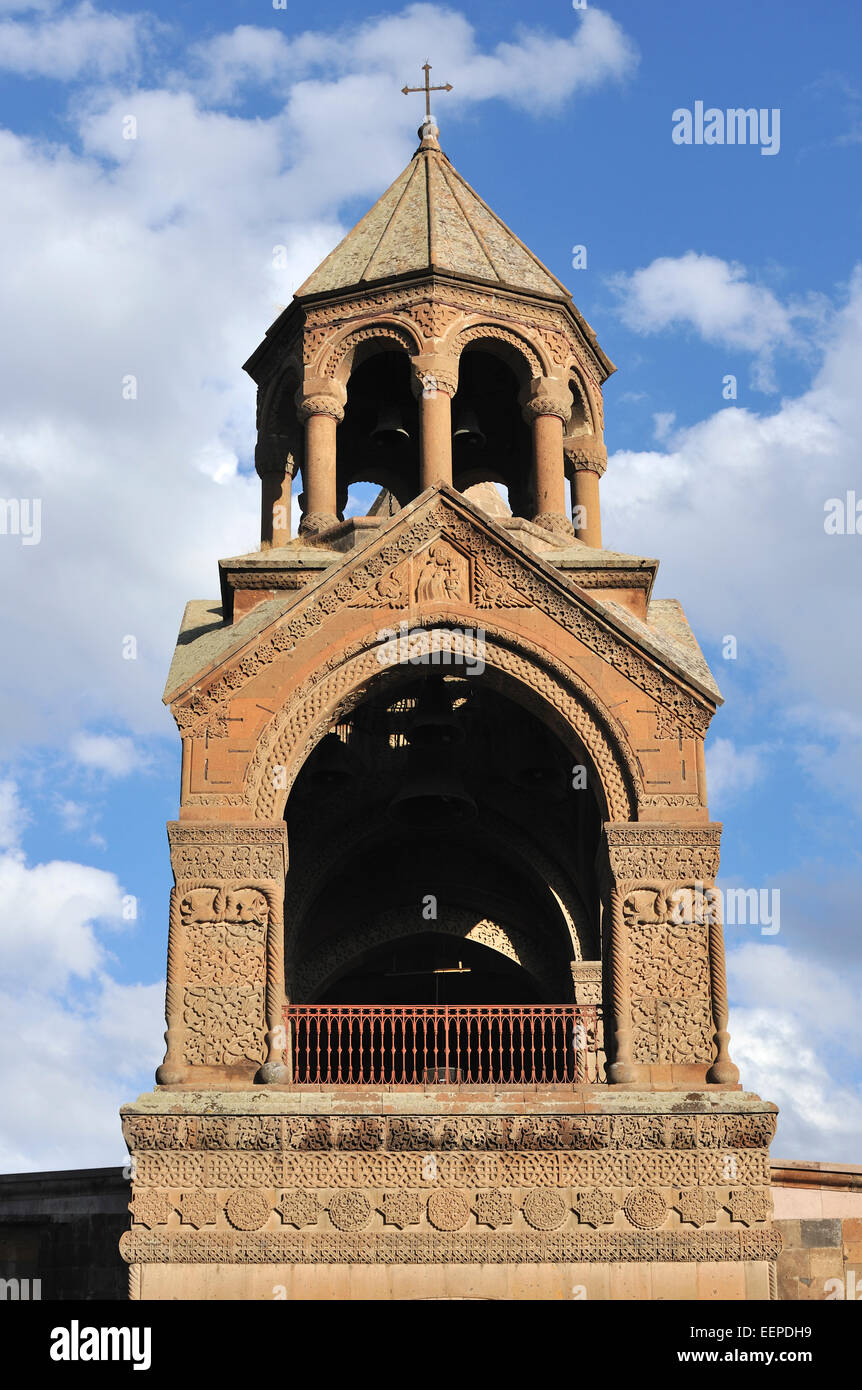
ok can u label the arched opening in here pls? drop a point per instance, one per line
(442, 811)
(442, 892)
(378, 440)
(490, 440)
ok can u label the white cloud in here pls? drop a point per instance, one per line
(736, 512)
(75, 1040)
(71, 1070)
(718, 301)
(105, 753)
(65, 45)
(538, 72)
(663, 422)
(730, 771)
(792, 1021)
(73, 814)
(13, 816)
(49, 911)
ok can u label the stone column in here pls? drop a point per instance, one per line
(225, 977)
(590, 1036)
(588, 460)
(548, 405)
(321, 408)
(434, 382)
(275, 459)
(667, 955)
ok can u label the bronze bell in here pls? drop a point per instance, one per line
(390, 430)
(467, 432)
(433, 796)
(332, 765)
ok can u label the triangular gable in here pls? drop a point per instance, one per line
(506, 575)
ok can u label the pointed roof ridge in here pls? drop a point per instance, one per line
(431, 219)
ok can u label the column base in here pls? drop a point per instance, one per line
(315, 523)
(555, 522)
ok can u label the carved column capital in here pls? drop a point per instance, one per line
(220, 851)
(547, 397)
(662, 851)
(431, 372)
(587, 455)
(319, 404)
(277, 454)
(587, 981)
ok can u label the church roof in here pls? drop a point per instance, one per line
(430, 219)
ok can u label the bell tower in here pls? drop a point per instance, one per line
(431, 346)
(446, 1003)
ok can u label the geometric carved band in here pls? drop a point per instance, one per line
(277, 1247)
(228, 852)
(425, 1133)
(647, 850)
(229, 1168)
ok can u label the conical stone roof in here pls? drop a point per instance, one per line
(430, 219)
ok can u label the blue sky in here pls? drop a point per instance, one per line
(152, 257)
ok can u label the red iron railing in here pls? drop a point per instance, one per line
(406, 1044)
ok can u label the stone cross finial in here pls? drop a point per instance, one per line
(427, 89)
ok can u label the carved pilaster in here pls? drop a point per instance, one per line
(225, 985)
(622, 1070)
(667, 952)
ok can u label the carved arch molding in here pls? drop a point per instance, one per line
(556, 694)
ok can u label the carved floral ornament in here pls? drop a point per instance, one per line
(440, 1248)
(610, 1223)
(663, 858)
